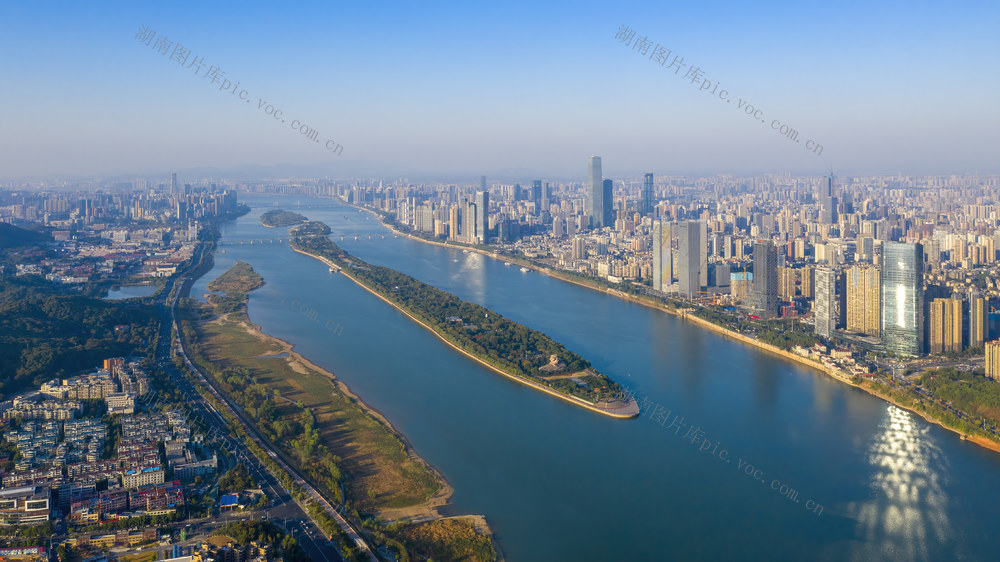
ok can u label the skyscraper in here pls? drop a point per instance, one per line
(595, 193)
(702, 253)
(482, 217)
(828, 203)
(824, 305)
(646, 208)
(607, 204)
(546, 196)
(764, 297)
(864, 300)
(903, 298)
(482, 183)
(689, 258)
(978, 320)
(173, 183)
(662, 270)
(536, 195)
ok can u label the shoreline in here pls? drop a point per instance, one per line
(571, 399)
(719, 330)
(425, 511)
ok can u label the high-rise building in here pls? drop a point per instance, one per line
(483, 217)
(482, 183)
(646, 206)
(824, 305)
(787, 278)
(864, 300)
(688, 244)
(546, 196)
(173, 183)
(903, 298)
(662, 266)
(993, 359)
(978, 320)
(944, 327)
(607, 203)
(594, 206)
(703, 253)
(454, 217)
(808, 277)
(536, 195)
(827, 201)
(764, 297)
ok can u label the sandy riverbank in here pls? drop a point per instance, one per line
(631, 410)
(725, 332)
(425, 511)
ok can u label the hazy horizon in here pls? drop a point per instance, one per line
(505, 91)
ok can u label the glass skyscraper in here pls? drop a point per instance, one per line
(764, 296)
(647, 195)
(482, 217)
(903, 298)
(607, 203)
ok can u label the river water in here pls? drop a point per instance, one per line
(740, 455)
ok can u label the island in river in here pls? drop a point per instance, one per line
(509, 348)
(280, 217)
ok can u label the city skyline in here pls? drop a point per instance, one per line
(472, 90)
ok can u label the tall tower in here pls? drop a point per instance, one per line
(703, 253)
(173, 183)
(536, 196)
(828, 203)
(764, 297)
(595, 192)
(689, 258)
(903, 298)
(482, 217)
(824, 305)
(646, 206)
(607, 203)
(662, 270)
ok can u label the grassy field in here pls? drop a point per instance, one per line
(382, 474)
(451, 539)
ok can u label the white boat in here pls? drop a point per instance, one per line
(525, 270)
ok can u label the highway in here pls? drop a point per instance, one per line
(283, 507)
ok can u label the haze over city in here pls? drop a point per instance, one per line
(508, 89)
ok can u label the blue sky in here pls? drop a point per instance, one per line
(505, 89)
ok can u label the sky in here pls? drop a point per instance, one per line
(507, 89)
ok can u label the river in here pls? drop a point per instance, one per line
(798, 466)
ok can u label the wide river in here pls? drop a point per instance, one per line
(797, 466)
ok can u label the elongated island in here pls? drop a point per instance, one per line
(279, 217)
(511, 349)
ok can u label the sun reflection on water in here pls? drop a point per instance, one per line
(906, 511)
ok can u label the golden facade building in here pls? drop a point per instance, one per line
(808, 281)
(787, 278)
(864, 300)
(993, 359)
(945, 326)
(978, 320)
